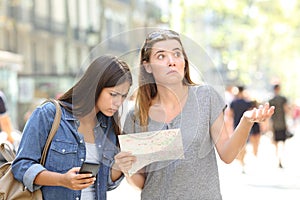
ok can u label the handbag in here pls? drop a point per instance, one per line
(11, 188)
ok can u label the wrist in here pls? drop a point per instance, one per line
(116, 173)
(61, 180)
(115, 166)
(247, 121)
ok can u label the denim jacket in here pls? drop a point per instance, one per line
(66, 151)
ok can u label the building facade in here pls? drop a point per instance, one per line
(54, 38)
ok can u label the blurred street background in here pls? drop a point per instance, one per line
(45, 45)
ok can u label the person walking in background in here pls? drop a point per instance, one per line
(255, 133)
(229, 96)
(167, 98)
(278, 121)
(87, 133)
(6, 126)
(238, 106)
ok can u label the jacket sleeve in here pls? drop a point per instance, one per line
(26, 165)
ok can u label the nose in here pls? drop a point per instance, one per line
(171, 61)
(118, 101)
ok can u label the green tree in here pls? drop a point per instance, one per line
(256, 41)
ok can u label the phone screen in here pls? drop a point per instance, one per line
(89, 168)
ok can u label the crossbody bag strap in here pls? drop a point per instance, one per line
(53, 130)
(7, 152)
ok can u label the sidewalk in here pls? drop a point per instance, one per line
(262, 180)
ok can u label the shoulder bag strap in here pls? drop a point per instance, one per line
(53, 130)
(7, 152)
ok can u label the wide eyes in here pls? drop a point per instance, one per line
(160, 56)
(175, 54)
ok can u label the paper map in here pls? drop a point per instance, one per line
(151, 147)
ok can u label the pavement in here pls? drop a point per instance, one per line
(263, 179)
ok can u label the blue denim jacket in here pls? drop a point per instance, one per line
(66, 151)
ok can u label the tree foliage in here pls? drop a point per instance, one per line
(260, 37)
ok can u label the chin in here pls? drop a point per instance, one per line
(109, 114)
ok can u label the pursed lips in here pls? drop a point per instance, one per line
(171, 71)
(113, 110)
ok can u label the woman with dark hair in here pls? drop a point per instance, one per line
(87, 133)
(167, 98)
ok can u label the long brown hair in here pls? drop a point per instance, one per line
(147, 87)
(105, 71)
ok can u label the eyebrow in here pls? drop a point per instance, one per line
(119, 92)
(177, 48)
(160, 51)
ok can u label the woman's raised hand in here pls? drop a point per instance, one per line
(260, 114)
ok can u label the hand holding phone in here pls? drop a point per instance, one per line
(87, 167)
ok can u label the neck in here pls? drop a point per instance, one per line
(86, 127)
(168, 103)
(89, 118)
(168, 96)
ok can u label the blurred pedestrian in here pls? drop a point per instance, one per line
(238, 106)
(6, 126)
(87, 133)
(167, 98)
(255, 133)
(229, 96)
(279, 124)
